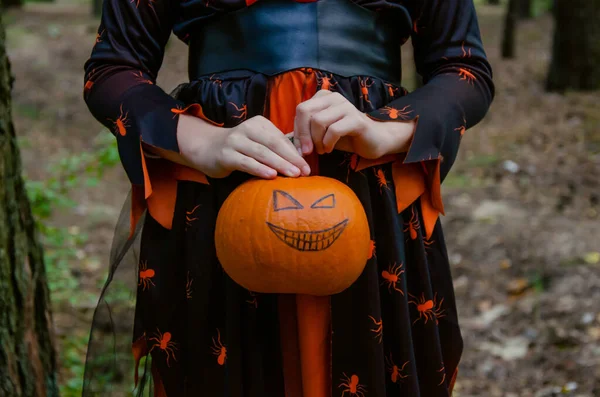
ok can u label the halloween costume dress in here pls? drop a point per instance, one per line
(170, 322)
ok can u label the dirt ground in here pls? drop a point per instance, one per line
(522, 202)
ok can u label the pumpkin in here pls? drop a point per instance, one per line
(306, 235)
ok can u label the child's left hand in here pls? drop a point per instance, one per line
(329, 121)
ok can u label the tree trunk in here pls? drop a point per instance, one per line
(97, 8)
(510, 24)
(27, 358)
(525, 9)
(576, 48)
(10, 3)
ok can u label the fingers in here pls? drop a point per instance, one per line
(304, 111)
(342, 127)
(274, 141)
(270, 158)
(234, 160)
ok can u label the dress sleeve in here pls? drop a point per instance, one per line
(456, 94)
(120, 78)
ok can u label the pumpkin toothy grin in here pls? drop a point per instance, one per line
(309, 241)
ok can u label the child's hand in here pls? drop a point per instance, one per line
(329, 121)
(254, 146)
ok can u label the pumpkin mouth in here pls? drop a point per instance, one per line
(309, 241)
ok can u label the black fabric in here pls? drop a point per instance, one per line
(273, 36)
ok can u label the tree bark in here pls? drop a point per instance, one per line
(576, 47)
(10, 3)
(510, 25)
(27, 358)
(525, 9)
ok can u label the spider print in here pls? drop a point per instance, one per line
(394, 113)
(413, 225)
(372, 249)
(121, 123)
(243, 110)
(428, 309)
(396, 373)
(324, 81)
(164, 343)
(378, 329)
(392, 276)
(381, 179)
(351, 386)
(351, 160)
(146, 276)
(364, 88)
(190, 217)
(218, 349)
(462, 128)
(466, 75)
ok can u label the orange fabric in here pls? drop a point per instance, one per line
(314, 332)
(290, 348)
(160, 181)
(312, 314)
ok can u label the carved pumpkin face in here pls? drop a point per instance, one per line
(293, 235)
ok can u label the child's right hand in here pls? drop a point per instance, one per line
(255, 146)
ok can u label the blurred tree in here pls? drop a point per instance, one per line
(494, 2)
(525, 9)
(510, 25)
(27, 358)
(576, 48)
(96, 8)
(10, 3)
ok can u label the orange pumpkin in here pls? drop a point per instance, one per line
(306, 235)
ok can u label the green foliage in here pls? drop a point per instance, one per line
(63, 245)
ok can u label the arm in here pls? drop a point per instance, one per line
(458, 87)
(120, 78)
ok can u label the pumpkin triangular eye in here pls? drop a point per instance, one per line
(325, 202)
(284, 201)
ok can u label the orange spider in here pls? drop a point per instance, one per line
(394, 113)
(364, 88)
(378, 330)
(243, 109)
(372, 249)
(188, 286)
(465, 74)
(352, 387)
(218, 349)
(254, 300)
(139, 76)
(443, 371)
(463, 127)
(146, 276)
(391, 89)
(381, 180)
(413, 224)
(391, 276)
(216, 81)
(352, 160)
(164, 342)
(394, 370)
(189, 216)
(88, 86)
(325, 81)
(121, 124)
(465, 53)
(99, 36)
(428, 308)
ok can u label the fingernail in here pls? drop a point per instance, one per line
(300, 151)
(294, 171)
(305, 148)
(306, 170)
